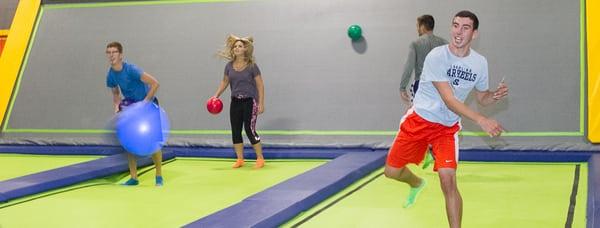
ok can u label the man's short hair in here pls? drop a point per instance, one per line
(472, 16)
(115, 44)
(427, 21)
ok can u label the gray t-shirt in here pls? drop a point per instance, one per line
(242, 82)
(418, 50)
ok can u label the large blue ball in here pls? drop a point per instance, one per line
(142, 128)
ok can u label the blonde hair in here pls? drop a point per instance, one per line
(227, 51)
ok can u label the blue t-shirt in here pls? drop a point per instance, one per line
(129, 80)
(463, 74)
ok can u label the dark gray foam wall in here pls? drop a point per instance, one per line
(315, 77)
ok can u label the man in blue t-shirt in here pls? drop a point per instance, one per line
(135, 85)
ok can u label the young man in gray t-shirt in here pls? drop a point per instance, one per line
(418, 50)
(416, 56)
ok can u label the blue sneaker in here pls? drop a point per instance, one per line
(159, 181)
(131, 182)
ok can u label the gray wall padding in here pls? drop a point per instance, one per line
(315, 77)
(7, 13)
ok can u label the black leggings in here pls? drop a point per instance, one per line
(243, 111)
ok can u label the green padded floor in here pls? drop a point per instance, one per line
(193, 188)
(494, 195)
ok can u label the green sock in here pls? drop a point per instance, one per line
(414, 192)
(428, 160)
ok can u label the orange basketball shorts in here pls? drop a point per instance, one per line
(416, 135)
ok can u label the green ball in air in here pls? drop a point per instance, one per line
(354, 32)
